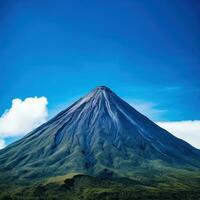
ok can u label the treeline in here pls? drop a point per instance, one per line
(90, 188)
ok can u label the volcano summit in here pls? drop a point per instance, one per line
(99, 133)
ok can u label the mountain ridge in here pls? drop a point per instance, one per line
(98, 132)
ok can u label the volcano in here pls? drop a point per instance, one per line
(99, 133)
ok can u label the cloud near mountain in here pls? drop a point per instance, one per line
(22, 117)
(186, 130)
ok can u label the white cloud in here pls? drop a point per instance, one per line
(23, 116)
(2, 144)
(186, 130)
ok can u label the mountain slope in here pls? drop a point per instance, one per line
(100, 133)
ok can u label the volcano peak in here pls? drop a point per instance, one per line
(103, 88)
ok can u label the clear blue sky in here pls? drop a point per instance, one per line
(144, 50)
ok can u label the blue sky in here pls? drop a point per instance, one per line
(145, 51)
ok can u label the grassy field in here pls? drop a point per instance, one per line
(176, 186)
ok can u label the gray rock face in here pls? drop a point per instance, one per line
(99, 131)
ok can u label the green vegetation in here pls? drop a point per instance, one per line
(177, 186)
